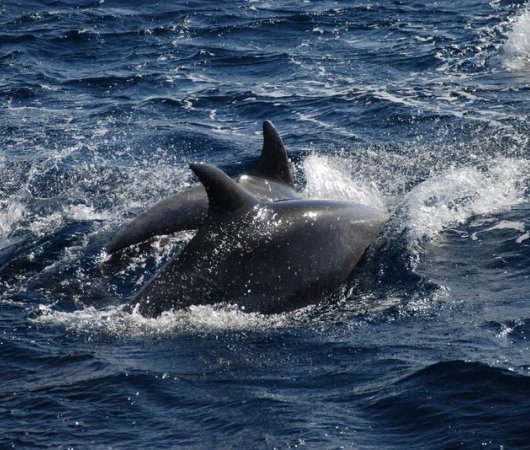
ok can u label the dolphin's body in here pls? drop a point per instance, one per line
(271, 179)
(264, 256)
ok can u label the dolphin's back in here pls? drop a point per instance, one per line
(267, 258)
(270, 180)
(295, 255)
(185, 210)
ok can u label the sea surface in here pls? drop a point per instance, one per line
(418, 108)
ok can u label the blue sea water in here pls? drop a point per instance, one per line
(417, 108)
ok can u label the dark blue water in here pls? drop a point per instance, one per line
(418, 108)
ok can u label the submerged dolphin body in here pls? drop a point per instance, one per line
(264, 256)
(271, 179)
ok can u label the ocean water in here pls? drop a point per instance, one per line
(417, 108)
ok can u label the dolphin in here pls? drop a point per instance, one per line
(271, 179)
(263, 256)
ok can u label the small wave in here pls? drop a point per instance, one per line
(19, 93)
(454, 196)
(516, 50)
(466, 373)
(469, 398)
(505, 225)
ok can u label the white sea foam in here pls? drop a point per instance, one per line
(523, 237)
(202, 318)
(503, 225)
(86, 212)
(269, 91)
(516, 50)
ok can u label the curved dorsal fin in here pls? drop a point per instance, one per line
(224, 194)
(273, 162)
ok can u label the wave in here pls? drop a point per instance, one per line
(453, 403)
(455, 196)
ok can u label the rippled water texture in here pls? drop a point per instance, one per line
(418, 109)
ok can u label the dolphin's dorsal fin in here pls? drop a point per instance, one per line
(273, 162)
(224, 194)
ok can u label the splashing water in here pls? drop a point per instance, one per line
(334, 177)
(10, 215)
(418, 108)
(113, 321)
(330, 177)
(453, 197)
(516, 56)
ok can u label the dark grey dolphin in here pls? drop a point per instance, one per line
(264, 256)
(271, 179)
